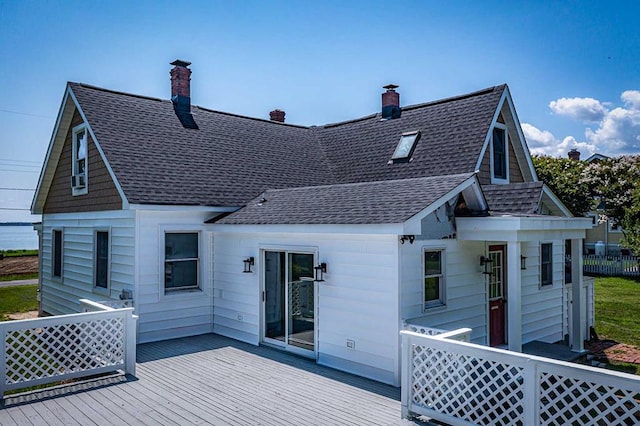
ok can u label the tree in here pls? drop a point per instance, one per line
(616, 183)
(565, 178)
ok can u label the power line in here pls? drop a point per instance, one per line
(26, 113)
(11, 208)
(16, 189)
(20, 161)
(22, 171)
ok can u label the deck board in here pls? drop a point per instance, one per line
(211, 379)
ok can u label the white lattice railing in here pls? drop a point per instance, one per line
(104, 305)
(463, 334)
(462, 383)
(51, 349)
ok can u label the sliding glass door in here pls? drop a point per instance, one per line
(289, 300)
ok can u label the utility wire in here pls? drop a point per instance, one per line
(11, 208)
(26, 113)
(22, 171)
(16, 189)
(19, 161)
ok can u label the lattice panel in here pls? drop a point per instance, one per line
(566, 400)
(480, 391)
(429, 331)
(58, 350)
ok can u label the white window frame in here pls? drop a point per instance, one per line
(612, 230)
(494, 179)
(80, 190)
(442, 301)
(549, 284)
(96, 288)
(53, 254)
(199, 270)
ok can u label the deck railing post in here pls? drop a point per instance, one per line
(130, 341)
(530, 394)
(3, 360)
(405, 371)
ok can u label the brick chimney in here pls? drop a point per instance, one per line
(391, 102)
(181, 93)
(574, 155)
(277, 115)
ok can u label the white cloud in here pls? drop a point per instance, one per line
(617, 130)
(582, 109)
(544, 142)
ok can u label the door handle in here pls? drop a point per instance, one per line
(493, 308)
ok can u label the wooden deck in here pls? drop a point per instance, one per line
(210, 379)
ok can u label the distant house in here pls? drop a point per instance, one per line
(321, 240)
(605, 236)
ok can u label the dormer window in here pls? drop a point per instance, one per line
(499, 155)
(405, 147)
(79, 165)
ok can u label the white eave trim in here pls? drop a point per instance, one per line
(546, 190)
(37, 204)
(520, 228)
(413, 226)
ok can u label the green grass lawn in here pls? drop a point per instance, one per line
(618, 309)
(20, 298)
(16, 253)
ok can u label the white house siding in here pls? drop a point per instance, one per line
(542, 307)
(61, 296)
(180, 313)
(358, 300)
(465, 287)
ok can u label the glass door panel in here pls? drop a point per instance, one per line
(274, 297)
(289, 300)
(301, 318)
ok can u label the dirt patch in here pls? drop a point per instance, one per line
(23, 315)
(19, 265)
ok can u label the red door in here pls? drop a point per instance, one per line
(497, 280)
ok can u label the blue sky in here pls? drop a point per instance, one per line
(573, 67)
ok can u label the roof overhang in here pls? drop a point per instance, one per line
(521, 228)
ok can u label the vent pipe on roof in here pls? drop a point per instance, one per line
(391, 102)
(181, 93)
(574, 155)
(277, 115)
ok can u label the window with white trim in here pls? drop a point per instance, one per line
(80, 148)
(56, 253)
(433, 289)
(101, 259)
(499, 154)
(546, 264)
(181, 261)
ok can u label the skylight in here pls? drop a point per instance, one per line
(406, 146)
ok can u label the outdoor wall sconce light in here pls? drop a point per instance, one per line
(410, 238)
(248, 263)
(485, 261)
(320, 270)
(523, 262)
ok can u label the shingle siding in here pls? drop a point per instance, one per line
(102, 192)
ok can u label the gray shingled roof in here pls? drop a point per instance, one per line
(517, 198)
(231, 158)
(379, 202)
(453, 131)
(228, 161)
